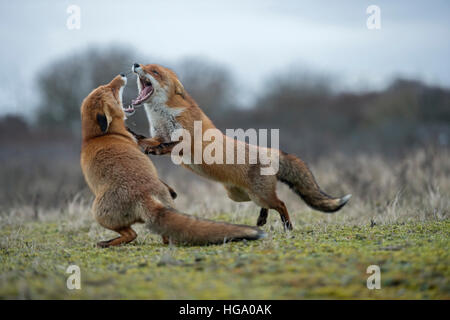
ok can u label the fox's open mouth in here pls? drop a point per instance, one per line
(145, 93)
(128, 110)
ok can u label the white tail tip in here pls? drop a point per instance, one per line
(262, 235)
(345, 199)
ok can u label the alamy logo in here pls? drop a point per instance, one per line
(374, 20)
(74, 280)
(374, 281)
(212, 147)
(74, 20)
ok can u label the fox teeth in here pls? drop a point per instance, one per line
(129, 109)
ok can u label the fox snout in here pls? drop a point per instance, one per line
(135, 67)
(118, 82)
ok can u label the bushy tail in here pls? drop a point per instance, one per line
(181, 228)
(296, 174)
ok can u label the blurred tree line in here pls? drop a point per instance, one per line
(313, 119)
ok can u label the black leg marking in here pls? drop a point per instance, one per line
(262, 219)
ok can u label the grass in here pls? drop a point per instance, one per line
(397, 219)
(323, 260)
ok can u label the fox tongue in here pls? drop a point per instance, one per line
(142, 95)
(145, 92)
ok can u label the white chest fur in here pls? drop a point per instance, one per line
(162, 120)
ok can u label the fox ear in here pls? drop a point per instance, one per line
(104, 119)
(179, 89)
(102, 122)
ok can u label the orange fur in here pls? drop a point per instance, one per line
(126, 184)
(243, 182)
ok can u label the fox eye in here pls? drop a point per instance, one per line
(155, 72)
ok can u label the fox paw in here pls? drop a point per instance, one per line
(262, 220)
(161, 148)
(103, 244)
(136, 135)
(288, 226)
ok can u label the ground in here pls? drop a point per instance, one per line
(398, 219)
(323, 260)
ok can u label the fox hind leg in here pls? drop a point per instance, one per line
(165, 240)
(172, 192)
(262, 219)
(237, 194)
(278, 205)
(263, 194)
(267, 198)
(284, 215)
(240, 195)
(127, 235)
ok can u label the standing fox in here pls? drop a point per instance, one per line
(126, 185)
(169, 107)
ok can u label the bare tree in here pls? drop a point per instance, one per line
(210, 84)
(65, 83)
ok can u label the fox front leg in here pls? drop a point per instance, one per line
(136, 135)
(153, 146)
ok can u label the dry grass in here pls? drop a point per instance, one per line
(397, 218)
(384, 191)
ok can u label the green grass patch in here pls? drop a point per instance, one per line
(314, 261)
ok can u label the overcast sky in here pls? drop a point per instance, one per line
(255, 39)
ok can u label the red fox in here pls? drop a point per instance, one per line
(170, 107)
(126, 185)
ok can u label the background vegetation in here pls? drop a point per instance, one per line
(389, 148)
